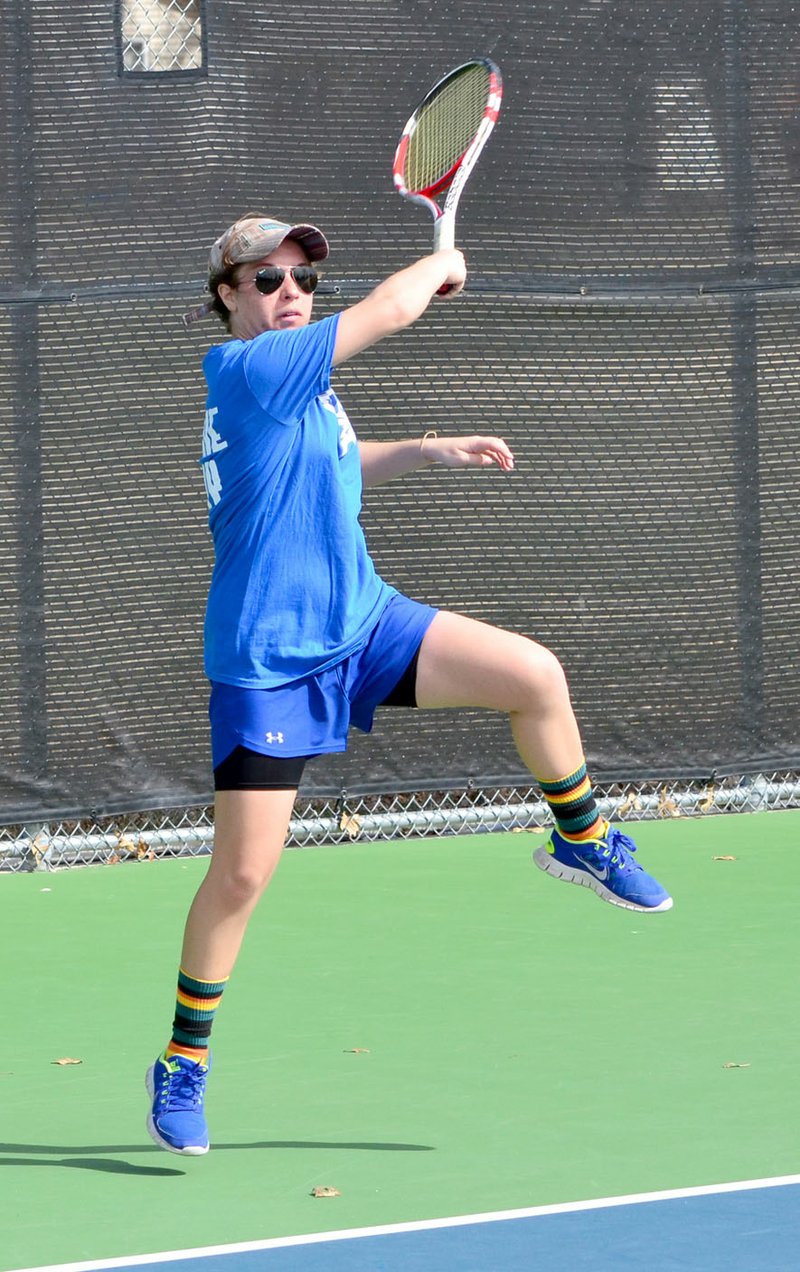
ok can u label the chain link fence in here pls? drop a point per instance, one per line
(189, 832)
(161, 35)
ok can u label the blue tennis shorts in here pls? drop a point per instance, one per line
(312, 716)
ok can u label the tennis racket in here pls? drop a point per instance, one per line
(442, 140)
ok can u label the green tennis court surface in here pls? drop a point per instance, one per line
(431, 1028)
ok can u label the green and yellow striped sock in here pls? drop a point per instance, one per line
(573, 805)
(196, 1005)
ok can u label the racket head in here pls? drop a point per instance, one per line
(447, 131)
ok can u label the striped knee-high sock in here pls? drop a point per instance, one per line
(572, 802)
(196, 1005)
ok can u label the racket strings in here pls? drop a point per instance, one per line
(445, 128)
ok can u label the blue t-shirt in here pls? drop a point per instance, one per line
(294, 589)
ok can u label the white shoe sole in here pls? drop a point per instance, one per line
(547, 862)
(192, 1150)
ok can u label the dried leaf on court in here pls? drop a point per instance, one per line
(731, 1064)
(350, 824)
(126, 846)
(707, 803)
(325, 1192)
(723, 858)
(357, 1051)
(66, 1060)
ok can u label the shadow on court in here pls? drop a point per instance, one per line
(88, 1156)
(93, 1163)
(55, 1150)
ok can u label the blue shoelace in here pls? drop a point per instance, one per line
(620, 849)
(183, 1089)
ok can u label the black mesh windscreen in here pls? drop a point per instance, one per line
(630, 326)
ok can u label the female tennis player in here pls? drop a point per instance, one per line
(302, 636)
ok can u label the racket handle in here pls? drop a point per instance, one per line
(444, 233)
(444, 237)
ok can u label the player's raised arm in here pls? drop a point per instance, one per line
(398, 301)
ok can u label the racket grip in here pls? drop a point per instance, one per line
(444, 237)
(444, 232)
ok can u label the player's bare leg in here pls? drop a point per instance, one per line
(464, 663)
(250, 828)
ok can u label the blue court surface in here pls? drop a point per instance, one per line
(753, 1226)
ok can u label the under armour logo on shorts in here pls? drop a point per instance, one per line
(273, 737)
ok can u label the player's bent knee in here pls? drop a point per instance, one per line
(545, 682)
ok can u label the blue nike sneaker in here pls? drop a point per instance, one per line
(607, 866)
(177, 1088)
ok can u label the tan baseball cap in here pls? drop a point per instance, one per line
(253, 237)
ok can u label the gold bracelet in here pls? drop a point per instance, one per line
(430, 433)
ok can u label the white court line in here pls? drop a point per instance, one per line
(422, 1225)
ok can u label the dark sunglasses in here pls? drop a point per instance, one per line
(270, 278)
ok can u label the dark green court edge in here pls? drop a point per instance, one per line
(433, 1028)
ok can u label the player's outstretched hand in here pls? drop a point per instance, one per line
(468, 452)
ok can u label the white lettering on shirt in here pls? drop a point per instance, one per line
(212, 444)
(347, 437)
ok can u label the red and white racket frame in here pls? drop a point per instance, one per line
(444, 218)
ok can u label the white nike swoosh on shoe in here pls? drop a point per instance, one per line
(601, 874)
